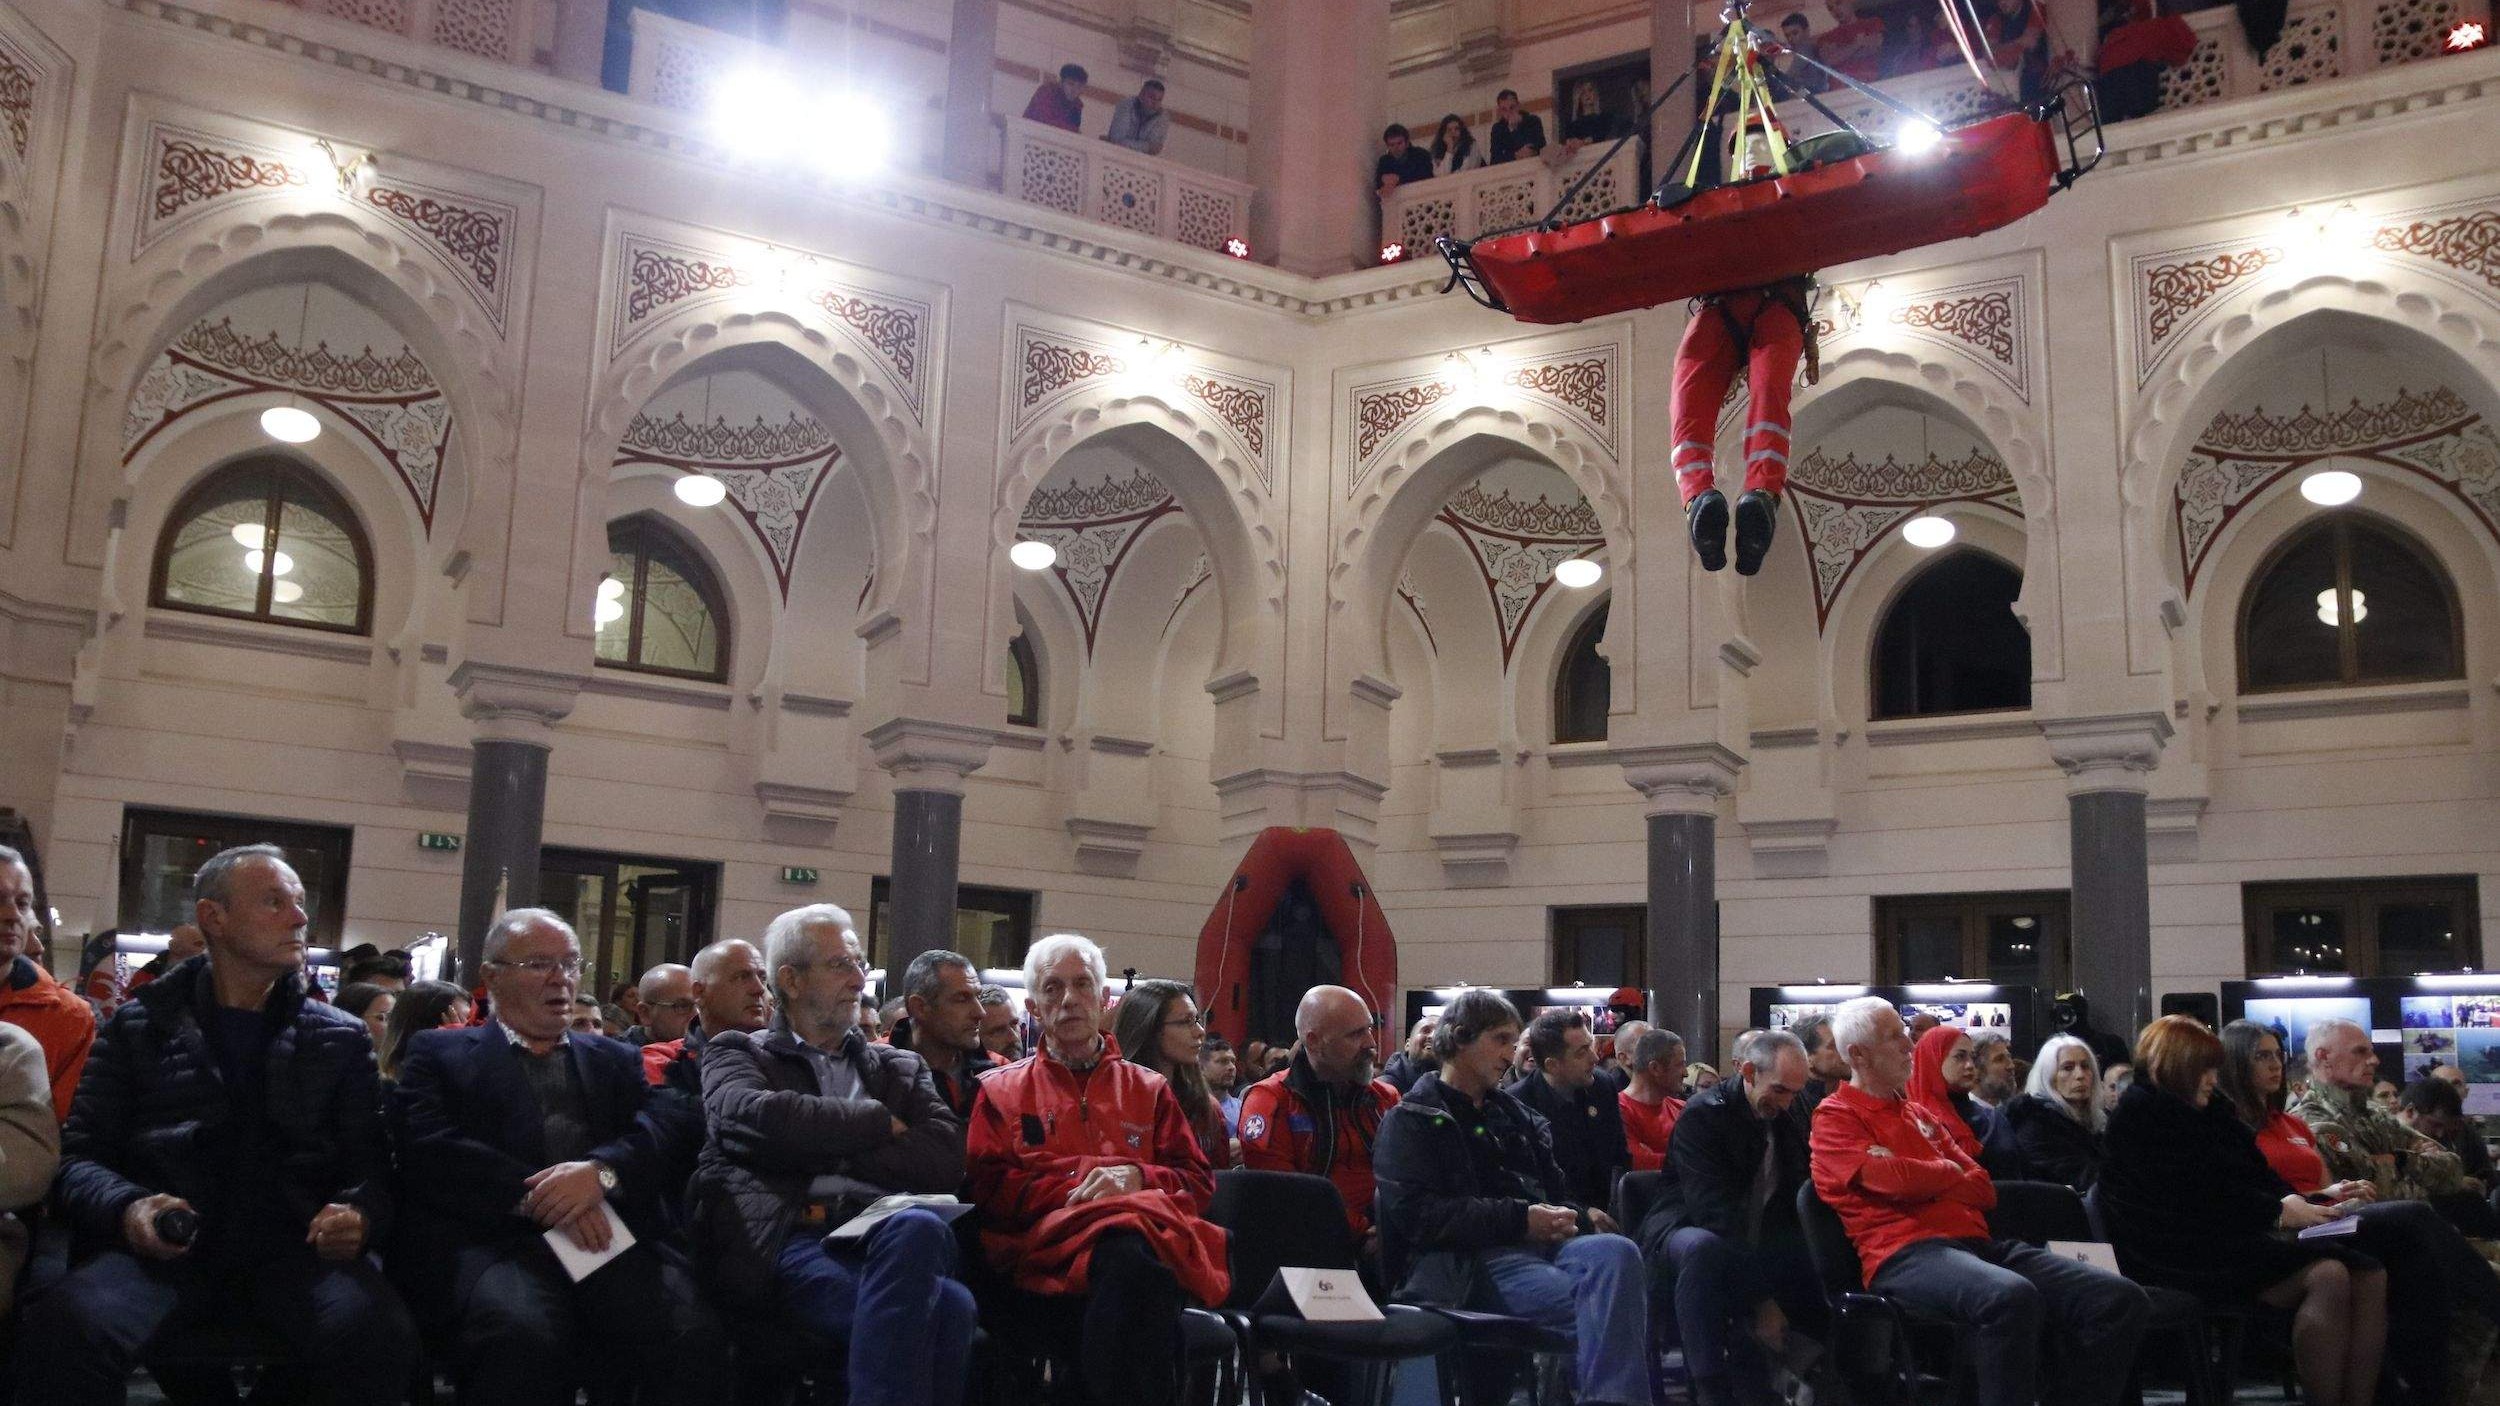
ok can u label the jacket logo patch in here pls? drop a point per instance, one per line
(1254, 1127)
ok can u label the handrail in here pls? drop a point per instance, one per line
(1092, 179)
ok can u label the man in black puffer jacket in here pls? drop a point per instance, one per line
(220, 1096)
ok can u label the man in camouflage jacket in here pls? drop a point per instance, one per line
(2360, 1141)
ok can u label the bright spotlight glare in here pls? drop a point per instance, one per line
(1032, 555)
(279, 562)
(285, 592)
(1917, 137)
(759, 114)
(1927, 531)
(2329, 615)
(1578, 574)
(290, 424)
(2331, 488)
(865, 139)
(700, 490)
(611, 589)
(1392, 251)
(606, 613)
(248, 535)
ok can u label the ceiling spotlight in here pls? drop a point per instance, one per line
(1918, 136)
(279, 562)
(1578, 574)
(1032, 555)
(2464, 35)
(290, 424)
(285, 592)
(759, 115)
(1238, 247)
(2329, 615)
(2331, 488)
(1927, 531)
(700, 490)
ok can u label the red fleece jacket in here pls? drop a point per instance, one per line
(1894, 1177)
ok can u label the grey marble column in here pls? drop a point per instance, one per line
(972, 142)
(1684, 928)
(920, 894)
(507, 807)
(2111, 908)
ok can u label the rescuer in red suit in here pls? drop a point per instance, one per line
(1765, 331)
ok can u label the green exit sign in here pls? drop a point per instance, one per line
(436, 839)
(792, 874)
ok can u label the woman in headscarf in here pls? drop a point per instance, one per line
(1942, 1074)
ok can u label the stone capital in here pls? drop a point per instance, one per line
(513, 702)
(1680, 778)
(2107, 751)
(925, 754)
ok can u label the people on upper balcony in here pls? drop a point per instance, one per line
(1797, 32)
(1588, 121)
(2018, 39)
(1515, 133)
(1401, 163)
(1854, 45)
(1454, 147)
(1139, 122)
(1061, 103)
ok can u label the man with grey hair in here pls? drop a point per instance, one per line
(1993, 1052)
(941, 1023)
(1725, 1222)
(1655, 1098)
(59, 1020)
(521, 1126)
(811, 1122)
(1002, 1025)
(1916, 1209)
(2362, 1142)
(667, 996)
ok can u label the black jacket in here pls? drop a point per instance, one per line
(2189, 1200)
(1711, 1162)
(1402, 1071)
(956, 1091)
(2053, 1145)
(1588, 1134)
(771, 1134)
(469, 1132)
(1445, 1195)
(154, 1113)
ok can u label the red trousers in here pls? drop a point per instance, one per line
(1767, 340)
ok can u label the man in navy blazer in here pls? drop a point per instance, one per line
(519, 1127)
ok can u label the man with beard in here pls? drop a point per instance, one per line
(941, 1023)
(1323, 1113)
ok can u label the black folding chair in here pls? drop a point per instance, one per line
(1287, 1219)
(1028, 1353)
(1874, 1336)
(1636, 1195)
(2037, 1212)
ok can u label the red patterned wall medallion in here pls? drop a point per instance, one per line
(2468, 243)
(660, 276)
(17, 96)
(472, 234)
(1845, 506)
(774, 471)
(1093, 527)
(190, 171)
(1515, 545)
(2174, 288)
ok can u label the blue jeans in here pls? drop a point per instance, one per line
(1718, 1286)
(1594, 1288)
(908, 1325)
(2012, 1295)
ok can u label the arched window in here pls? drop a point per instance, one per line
(1949, 643)
(1583, 685)
(1024, 681)
(2349, 601)
(266, 538)
(660, 611)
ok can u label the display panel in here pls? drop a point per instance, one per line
(2418, 1023)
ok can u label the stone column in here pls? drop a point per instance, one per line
(581, 39)
(515, 710)
(1670, 56)
(1319, 80)
(1683, 784)
(929, 761)
(972, 139)
(2108, 761)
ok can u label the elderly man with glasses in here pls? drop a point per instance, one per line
(519, 1133)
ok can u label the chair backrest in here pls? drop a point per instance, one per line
(1279, 1219)
(2097, 1213)
(1828, 1244)
(1635, 1195)
(2036, 1212)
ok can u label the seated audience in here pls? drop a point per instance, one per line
(941, 1023)
(59, 1019)
(1946, 1070)
(2424, 1255)
(2056, 1124)
(1854, 45)
(872, 1018)
(1614, 1072)
(1825, 1069)
(809, 1122)
(1002, 1025)
(2364, 1142)
(1414, 1059)
(1139, 122)
(1322, 1115)
(1091, 1183)
(1158, 1026)
(1654, 1099)
(1223, 1074)
(1474, 1212)
(225, 1162)
(1725, 1222)
(524, 1125)
(1699, 1076)
(1916, 1206)
(1585, 1122)
(2190, 1203)
(2435, 1108)
(1515, 133)
(2116, 1079)
(1403, 163)
(730, 993)
(1992, 1056)
(30, 1149)
(590, 1019)
(370, 1004)
(428, 1005)
(1060, 103)
(627, 999)
(667, 993)
(387, 970)
(181, 945)
(1454, 147)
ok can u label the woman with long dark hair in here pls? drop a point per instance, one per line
(1157, 1025)
(1454, 147)
(425, 1005)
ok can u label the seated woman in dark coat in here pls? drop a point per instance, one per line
(2191, 1204)
(2057, 1121)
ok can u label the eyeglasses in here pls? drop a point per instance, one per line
(1195, 1022)
(668, 1005)
(854, 965)
(544, 967)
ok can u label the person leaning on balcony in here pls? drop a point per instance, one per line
(1403, 163)
(1454, 147)
(1140, 123)
(1515, 133)
(1061, 103)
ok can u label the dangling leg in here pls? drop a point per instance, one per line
(1779, 342)
(1705, 365)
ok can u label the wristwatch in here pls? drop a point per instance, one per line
(607, 1178)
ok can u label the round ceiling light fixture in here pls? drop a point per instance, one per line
(2331, 488)
(1927, 531)
(700, 490)
(1033, 556)
(1578, 574)
(290, 424)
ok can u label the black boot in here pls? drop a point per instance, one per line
(1757, 521)
(1706, 518)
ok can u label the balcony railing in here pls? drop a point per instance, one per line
(1514, 193)
(490, 29)
(2322, 40)
(1095, 180)
(681, 65)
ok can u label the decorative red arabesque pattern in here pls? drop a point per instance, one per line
(1845, 507)
(1984, 320)
(1241, 407)
(188, 173)
(893, 331)
(1093, 528)
(2358, 426)
(655, 279)
(1051, 367)
(2468, 243)
(773, 472)
(2173, 291)
(469, 237)
(1516, 545)
(1578, 384)
(17, 101)
(1378, 416)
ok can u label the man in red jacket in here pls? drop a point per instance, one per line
(1323, 1113)
(59, 1018)
(1091, 1183)
(1917, 1210)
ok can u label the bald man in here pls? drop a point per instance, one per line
(728, 985)
(667, 993)
(1322, 1114)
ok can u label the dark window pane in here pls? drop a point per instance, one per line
(2401, 623)
(2418, 937)
(1950, 642)
(2014, 949)
(163, 849)
(323, 578)
(1931, 948)
(1024, 693)
(2290, 638)
(663, 613)
(218, 553)
(1583, 688)
(2309, 939)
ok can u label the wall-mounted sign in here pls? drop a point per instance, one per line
(793, 874)
(436, 839)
